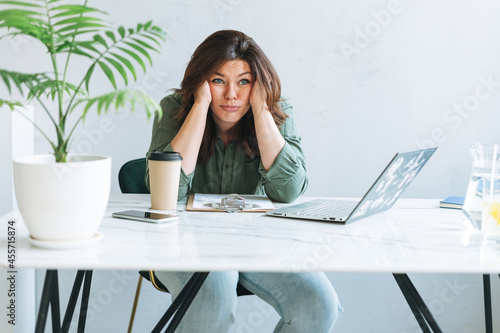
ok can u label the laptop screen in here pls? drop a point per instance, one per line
(389, 186)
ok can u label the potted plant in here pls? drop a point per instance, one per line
(62, 197)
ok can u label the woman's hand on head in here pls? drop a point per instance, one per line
(258, 97)
(203, 94)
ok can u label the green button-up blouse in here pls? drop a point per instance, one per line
(230, 170)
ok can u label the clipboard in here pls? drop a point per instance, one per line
(230, 203)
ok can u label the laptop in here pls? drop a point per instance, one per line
(392, 182)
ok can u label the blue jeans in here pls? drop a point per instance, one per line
(306, 302)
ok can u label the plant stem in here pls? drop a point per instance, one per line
(60, 127)
(66, 69)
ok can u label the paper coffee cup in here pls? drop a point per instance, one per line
(164, 174)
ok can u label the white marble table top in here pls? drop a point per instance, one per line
(414, 236)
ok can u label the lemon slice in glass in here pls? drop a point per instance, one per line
(495, 211)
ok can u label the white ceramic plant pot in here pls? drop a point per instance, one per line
(62, 201)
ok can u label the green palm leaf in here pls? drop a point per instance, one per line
(10, 104)
(119, 99)
(119, 68)
(69, 10)
(144, 44)
(79, 51)
(87, 77)
(20, 3)
(121, 31)
(99, 39)
(53, 85)
(74, 20)
(134, 56)
(67, 30)
(21, 21)
(76, 29)
(141, 50)
(152, 38)
(20, 80)
(127, 63)
(130, 43)
(111, 35)
(71, 45)
(108, 72)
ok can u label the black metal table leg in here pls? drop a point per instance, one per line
(488, 316)
(181, 303)
(50, 298)
(421, 304)
(54, 304)
(48, 287)
(187, 302)
(85, 302)
(415, 297)
(413, 306)
(72, 301)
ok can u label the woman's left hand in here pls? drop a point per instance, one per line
(258, 98)
(269, 138)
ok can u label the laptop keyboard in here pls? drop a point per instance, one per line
(336, 208)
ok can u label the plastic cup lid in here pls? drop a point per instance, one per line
(160, 155)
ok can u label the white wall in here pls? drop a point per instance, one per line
(367, 79)
(17, 137)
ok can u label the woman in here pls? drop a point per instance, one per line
(236, 136)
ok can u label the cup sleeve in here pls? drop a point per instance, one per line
(185, 181)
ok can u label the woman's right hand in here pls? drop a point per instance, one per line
(203, 95)
(188, 140)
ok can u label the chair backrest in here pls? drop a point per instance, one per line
(131, 176)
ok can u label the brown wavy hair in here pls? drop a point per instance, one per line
(209, 56)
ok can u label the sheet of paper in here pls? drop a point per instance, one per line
(204, 201)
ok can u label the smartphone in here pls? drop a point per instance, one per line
(145, 216)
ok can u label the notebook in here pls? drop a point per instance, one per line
(392, 182)
(452, 202)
